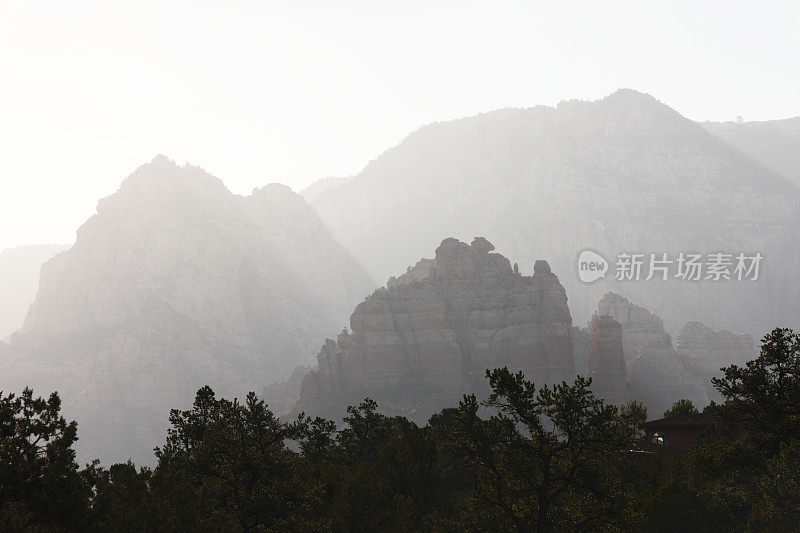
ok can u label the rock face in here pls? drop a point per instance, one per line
(173, 284)
(606, 361)
(776, 143)
(621, 174)
(418, 272)
(19, 278)
(281, 396)
(705, 351)
(580, 349)
(417, 346)
(641, 327)
(657, 376)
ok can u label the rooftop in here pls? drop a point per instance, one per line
(699, 420)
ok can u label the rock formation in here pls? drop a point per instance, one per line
(176, 283)
(657, 376)
(281, 396)
(580, 349)
(641, 327)
(416, 346)
(705, 351)
(418, 272)
(622, 174)
(606, 361)
(19, 278)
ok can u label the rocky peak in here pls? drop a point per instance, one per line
(180, 283)
(657, 376)
(621, 174)
(541, 267)
(162, 180)
(418, 345)
(641, 326)
(457, 260)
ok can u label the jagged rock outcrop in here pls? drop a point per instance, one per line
(416, 273)
(606, 361)
(417, 346)
(656, 374)
(622, 174)
(705, 351)
(176, 283)
(640, 325)
(19, 278)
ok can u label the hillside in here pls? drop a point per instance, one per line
(622, 174)
(173, 284)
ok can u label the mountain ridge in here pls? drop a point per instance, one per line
(173, 284)
(623, 173)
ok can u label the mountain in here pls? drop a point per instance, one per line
(629, 343)
(705, 352)
(19, 278)
(657, 376)
(622, 174)
(419, 344)
(775, 143)
(173, 284)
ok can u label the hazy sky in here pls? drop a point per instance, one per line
(256, 92)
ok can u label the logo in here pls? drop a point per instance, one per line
(717, 266)
(591, 266)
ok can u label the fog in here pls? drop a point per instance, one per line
(292, 92)
(363, 266)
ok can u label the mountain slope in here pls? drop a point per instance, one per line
(19, 278)
(775, 143)
(622, 174)
(173, 284)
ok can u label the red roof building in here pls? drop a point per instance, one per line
(676, 432)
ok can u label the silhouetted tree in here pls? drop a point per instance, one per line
(545, 461)
(682, 407)
(41, 487)
(231, 461)
(764, 395)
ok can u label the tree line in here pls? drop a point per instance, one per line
(551, 458)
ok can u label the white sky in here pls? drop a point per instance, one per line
(257, 92)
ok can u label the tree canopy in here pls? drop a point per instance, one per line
(525, 458)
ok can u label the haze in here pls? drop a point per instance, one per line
(281, 92)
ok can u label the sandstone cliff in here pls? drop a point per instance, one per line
(176, 283)
(657, 376)
(705, 351)
(19, 278)
(606, 361)
(418, 345)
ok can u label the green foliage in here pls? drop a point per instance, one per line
(230, 459)
(123, 501)
(676, 506)
(529, 458)
(764, 396)
(777, 509)
(743, 460)
(545, 461)
(40, 484)
(633, 414)
(682, 407)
